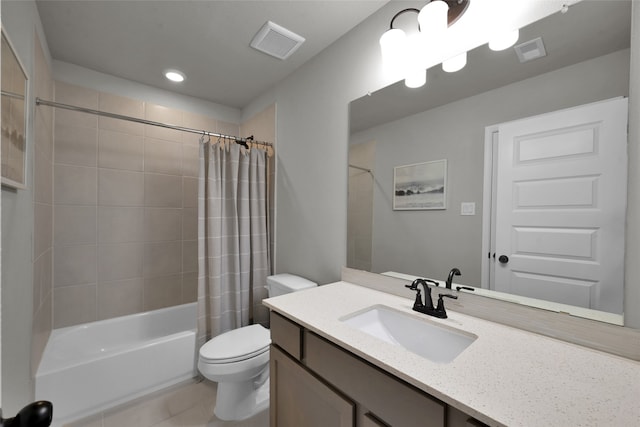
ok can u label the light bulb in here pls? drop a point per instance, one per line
(456, 63)
(433, 18)
(504, 41)
(393, 45)
(415, 78)
(174, 76)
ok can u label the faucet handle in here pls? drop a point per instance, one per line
(440, 310)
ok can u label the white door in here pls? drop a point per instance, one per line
(560, 206)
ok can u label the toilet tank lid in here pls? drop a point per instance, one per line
(291, 281)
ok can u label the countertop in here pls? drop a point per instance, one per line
(506, 377)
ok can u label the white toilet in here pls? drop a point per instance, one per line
(238, 360)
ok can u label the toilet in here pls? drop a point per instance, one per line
(238, 360)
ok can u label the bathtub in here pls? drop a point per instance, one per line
(91, 367)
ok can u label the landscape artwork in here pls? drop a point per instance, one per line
(420, 186)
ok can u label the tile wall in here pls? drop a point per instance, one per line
(42, 176)
(124, 207)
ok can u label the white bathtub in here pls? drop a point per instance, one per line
(88, 368)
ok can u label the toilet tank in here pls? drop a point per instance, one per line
(280, 284)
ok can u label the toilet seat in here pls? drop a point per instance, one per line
(236, 345)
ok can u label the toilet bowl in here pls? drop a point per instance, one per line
(238, 360)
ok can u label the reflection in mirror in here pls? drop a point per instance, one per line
(587, 60)
(14, 89)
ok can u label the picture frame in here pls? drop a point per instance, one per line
(420, 186)
(13, 82)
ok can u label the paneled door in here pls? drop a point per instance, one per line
(560, 206)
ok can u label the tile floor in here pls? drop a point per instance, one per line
(186, 405)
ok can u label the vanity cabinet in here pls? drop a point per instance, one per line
(317, 383)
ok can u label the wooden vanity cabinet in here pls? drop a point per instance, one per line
(316, 383)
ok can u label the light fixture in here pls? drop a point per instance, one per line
(407, 56)
(174, 75)
(504, 40)
(456, 63)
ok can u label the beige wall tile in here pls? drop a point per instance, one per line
(75, 265)
(76, 95)
(197, 121)
(231, 129)
(43, 177)
(119, 261)
(44, 134)
(74, 305)
(43, 228)
(124, 106)
(162, 224)
(162, 259)
(189, 287)
(163, 291)
(120, 298)
(162, 156)
(75, 225)
(158, 113)
(42, 278)
(117, 150)
(42, 325)
(190, 159)
(189, 256)
(79, 97)
(76, 145)
(75, 185)
(189, 224)
(120, 188)
(118, 224)
(162, 191)
(190, 192)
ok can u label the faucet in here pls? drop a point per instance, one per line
(453, 272)
(427, 307)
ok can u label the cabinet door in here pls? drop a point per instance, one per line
(299, 399)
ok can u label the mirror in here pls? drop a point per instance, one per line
(587, 61)
(14, 113)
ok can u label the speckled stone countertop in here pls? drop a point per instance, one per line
(506, 377)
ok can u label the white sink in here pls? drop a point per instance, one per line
(437, 343)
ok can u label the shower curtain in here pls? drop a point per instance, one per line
(233, 239)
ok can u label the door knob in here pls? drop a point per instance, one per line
(503, 259)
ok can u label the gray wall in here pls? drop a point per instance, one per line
(312, 134)
(429, 243)
(21, 22)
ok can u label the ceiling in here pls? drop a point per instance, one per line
(589, 29)
(209, 41)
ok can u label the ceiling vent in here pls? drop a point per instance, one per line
(528, 51)
(277, 41)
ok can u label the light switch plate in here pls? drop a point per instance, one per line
(467, 208)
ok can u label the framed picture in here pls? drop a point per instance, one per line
(13, 81)
(420, 186)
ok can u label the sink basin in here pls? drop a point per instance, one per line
(437, 343)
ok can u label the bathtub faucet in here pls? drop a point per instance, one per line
(36, 414)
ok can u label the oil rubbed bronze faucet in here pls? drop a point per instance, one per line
(427, 307)
(453, 272)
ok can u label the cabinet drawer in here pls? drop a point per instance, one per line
(286, 335)
(300, 399)
(394, 402)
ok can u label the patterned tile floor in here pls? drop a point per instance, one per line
(187, 405)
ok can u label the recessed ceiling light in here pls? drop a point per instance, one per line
(174, 76)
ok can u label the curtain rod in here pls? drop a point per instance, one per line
(237, 139)
(361, 168)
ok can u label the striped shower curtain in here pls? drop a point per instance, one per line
(233, 240)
